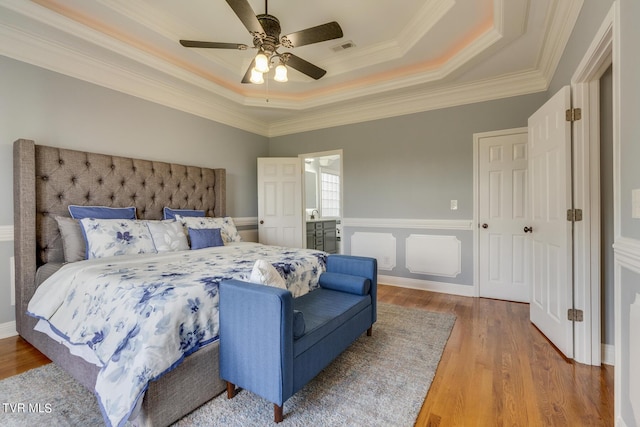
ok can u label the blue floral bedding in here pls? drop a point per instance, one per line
(143, 314)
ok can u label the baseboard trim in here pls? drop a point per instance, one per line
(8, 329)
(608, 354)
(427, 285)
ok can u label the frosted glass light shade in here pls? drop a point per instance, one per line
(256, 77)
(262, 63)
(281, 74)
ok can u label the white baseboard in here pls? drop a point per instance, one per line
(608, 354)
(427, 285)
(8, 329)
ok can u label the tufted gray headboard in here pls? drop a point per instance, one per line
(48, 179)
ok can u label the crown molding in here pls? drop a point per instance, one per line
(151, 78)
(414, 102)
(45, 53)
(563, 18)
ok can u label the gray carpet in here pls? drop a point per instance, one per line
(379, 381)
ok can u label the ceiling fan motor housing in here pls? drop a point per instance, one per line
(271, 26)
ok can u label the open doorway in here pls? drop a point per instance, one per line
(323, 200)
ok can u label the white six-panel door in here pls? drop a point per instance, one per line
(280, 201)
(504, 247)
(550, 196)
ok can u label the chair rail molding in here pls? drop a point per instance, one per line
(418, 224)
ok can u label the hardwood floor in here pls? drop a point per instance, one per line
(497, 369)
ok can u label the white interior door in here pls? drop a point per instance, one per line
(504, 247)
(280, 201)
(550, 196)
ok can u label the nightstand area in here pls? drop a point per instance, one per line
(322, 235)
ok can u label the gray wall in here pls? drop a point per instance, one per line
(410, 167)
(53, 109)
(629, 179)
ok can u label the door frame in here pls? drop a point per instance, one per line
(338, 152)
(476, 198)
(586, 139)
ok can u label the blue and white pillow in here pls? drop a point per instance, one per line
(168, 236)
(226, 225)
(111, 237)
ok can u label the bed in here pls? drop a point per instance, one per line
(46, 181)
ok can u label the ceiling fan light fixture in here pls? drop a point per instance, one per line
(281, 74)
(262, 63)
(256, 77)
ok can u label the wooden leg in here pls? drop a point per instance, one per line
(277, 413)
(231, 390)
(370, 331)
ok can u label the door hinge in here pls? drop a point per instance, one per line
(573, 114)
(574, 215)
(575, 315)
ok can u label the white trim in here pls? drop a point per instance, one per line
(608, 354)
(627, 253)
(476, 196)
(418, 224)
(246, 221)
(427, 285)
(8, 329)
(6, 233)
(586, 191)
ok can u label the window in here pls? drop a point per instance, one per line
(329, 194)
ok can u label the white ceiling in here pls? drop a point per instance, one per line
(409, 55)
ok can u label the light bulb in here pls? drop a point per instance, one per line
(256, 77)
(281, 74)
(262, 63)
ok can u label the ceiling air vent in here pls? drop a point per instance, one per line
(344, 45)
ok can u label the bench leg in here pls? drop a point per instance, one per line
(231, 390)
(277, 413)
(370, 331)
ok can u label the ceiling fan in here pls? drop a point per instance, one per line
(265, 30)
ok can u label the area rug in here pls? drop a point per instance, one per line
(380, 380)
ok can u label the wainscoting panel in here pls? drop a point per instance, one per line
(381, 246)
(434, 255)
(634, 356)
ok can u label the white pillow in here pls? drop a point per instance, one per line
(111, 237)
(168, 236)
(265, 273)
(228, 229)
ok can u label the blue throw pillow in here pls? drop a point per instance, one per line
(205, 238)
(101, 212)
(171, 213)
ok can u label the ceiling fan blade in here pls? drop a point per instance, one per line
(304, 67)
(328, 31)
(247, 75)
(243, 9)
(213, 45)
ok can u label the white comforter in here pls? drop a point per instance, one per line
(143, 314)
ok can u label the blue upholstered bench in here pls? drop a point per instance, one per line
(272, 344)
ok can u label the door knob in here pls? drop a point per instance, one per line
(261, 221)
(485, 225)
(528, 229)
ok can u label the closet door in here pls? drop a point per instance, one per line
(280, 210)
